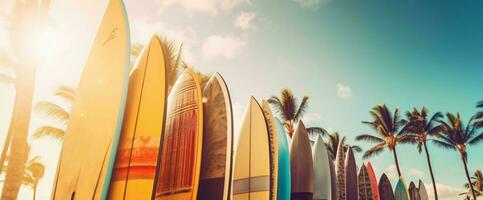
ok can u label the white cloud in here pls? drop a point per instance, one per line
(222, 46)
(245, 21)
(311, 4)
(415, 173)
(445, 192)
(343, 91)
(310, 118)
(212, 7)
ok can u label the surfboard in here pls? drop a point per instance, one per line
(90, 143)
(251, 176)
(350, 175)
(413, 192)
(137, 153)
(423, 193)
(333, 179)
(385, 188)
(401, 190)
(364, 183)
(340, 172)
(373, 179)
(272, 142)
(301, 165)
(216, 159)
(283, 180)
(322, 176)
(178, 174)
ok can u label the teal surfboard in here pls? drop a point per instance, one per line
(283, 189)
(401, 191)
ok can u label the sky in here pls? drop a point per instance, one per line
(347, 56)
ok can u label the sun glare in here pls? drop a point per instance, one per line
(43, 44)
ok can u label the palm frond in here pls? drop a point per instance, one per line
(289, 104)
(369, 138)
(6, 79)
(65, 92)
(356, 148)
(316, 131)
(52, 110)
(444, 145)
(49, 131)
(476, 140)
(375, 150)
(302, 108)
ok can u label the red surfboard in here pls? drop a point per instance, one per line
(372, 177)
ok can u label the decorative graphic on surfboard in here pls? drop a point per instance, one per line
(272, 142)
(340, 172)
(350, 175)
(413, 192)
(283, 181)
(251, 176)
(401, 190)
(364, 183)
(216, 159)
(333, 179)
(372, 177)
(322, 173)
(90, 143)
(179, 171)
(385, 188)
(301, 165)
(137, 153)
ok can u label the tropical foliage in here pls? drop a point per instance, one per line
(421, 126)
(290, 112)
(477, 182)
(388, 134)
(333, 141)
(58, 114)
(459, 136)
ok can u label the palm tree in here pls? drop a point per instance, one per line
(34, 171)
(290, 113)
(420, 129)
(477, 184)
(479, 114)
(458, 136)
(56, 112)
(332, 144)
(28, 15)
(388, 127)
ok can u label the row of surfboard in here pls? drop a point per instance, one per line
(127, 138)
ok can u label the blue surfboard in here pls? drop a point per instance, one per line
(283, 189)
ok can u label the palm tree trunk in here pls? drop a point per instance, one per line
(35, 191)
(395, 160)
(430, 170)
(19, 148)
(5, 146)
(468, 176)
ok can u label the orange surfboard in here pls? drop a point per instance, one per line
(143, 123)
(179, 170)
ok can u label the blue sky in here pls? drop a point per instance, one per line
(346, 55)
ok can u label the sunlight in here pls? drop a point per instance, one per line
(43, 43)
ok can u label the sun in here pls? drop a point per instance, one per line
(43, 43)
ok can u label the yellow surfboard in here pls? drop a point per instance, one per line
(95, 123)
(179, 170)
(251, 177)
(273, 143)
(137, 153)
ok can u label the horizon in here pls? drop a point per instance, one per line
(347, 56)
